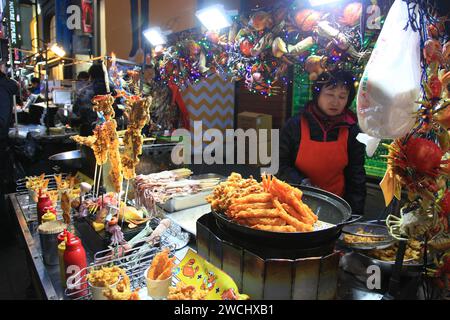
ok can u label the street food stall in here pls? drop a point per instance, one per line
(137, 220)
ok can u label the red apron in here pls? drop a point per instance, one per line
(323, 162)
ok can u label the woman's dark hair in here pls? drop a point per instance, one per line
(83, 75)
(35, 81)
(96, 72)
(334, 79)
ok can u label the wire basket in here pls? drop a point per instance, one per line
(133, 261)
(22, 189)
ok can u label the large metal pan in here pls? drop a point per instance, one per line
(331, 209)
(70, 159)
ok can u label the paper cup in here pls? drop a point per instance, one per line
(157, 289)
(97, 292)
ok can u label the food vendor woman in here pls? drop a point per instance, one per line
(319, 147)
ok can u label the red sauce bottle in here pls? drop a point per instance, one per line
(75, 261)
(44, 202)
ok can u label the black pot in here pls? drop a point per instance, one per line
(327, 206)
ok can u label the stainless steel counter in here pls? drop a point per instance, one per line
(351, 286)
(46, 279)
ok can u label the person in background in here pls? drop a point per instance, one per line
(8, 88)
(83, 76)
(319, 147)
(35, 87)
(82, 109)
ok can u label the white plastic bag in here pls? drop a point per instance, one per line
(370, 142)
(391, 81)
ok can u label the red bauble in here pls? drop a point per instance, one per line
(307, 19)
(436, 86)
(423, 155)
(213, 36)
(445, 204)
(352, 14)
(246, 46)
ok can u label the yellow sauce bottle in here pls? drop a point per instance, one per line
(62, 269)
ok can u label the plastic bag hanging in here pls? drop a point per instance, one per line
(391, 81)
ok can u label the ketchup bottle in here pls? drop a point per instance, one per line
(44, 202)
(75, 261)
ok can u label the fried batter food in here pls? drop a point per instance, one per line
(115, 174)
(104, 104)
(235, 187)
(257, 213)
(65, 206)
(184, 292)
(274, 228)
(138, 115)
(36, 183)
(291, 196)
(277, 222)
(85, 141)
(104, 277)
(413, 252)
(99, 143)
(272, 205)
(162, 265)
(123, 289)
(349, 238)
(297, 224)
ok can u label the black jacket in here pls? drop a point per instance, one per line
(355, 175)
(8, 88)
(83, 107)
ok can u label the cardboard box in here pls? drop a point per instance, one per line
(252, 120)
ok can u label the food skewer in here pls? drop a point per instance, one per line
(95, 178)
(125, 200)
(99, 179)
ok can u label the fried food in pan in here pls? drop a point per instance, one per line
(273, 203)
(254, 198)
(298, 225)
(244, 207)
(257, 213)
(278, 222)
(274, 228)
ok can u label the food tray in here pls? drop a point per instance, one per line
(186, 202)
(134, 262)
(187, 219)
(194, 200)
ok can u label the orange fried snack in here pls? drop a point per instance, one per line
(184, 292)
(264, 221)
(242, 207)
(257, 213)
(254, 198)
(298, 225)
(274, 228)
(161, 268)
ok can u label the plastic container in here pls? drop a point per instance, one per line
(157, 289)
(48, 235)
(97, 292)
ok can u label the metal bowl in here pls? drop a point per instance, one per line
(69, 159)
(378, 232)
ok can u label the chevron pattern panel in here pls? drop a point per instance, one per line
(212, 102)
